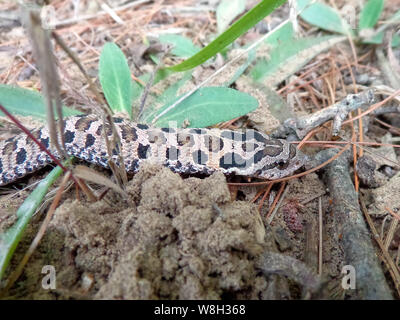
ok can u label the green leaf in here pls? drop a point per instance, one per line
(115, 78)
(183, 47)
(250, 58)
(168, 95)
(280, 34)
(370, 14)
(208, 106)
(251, 18)
(24, 102)
(377, 38)
(11, 237)
(290, 57)
(228, 10)
(323, 16)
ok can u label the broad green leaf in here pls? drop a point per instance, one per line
(251, 18)
(322, 16)
(378, 37)
(25, 102)
(280, 34)
(137, 90)
(228, 10)
(115, 78)
(168, 95)
(10, 238)
(208, 106)
(183, 47)
(290, 57)
(251, 56)
(370, 14)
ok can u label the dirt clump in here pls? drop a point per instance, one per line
(176, 239)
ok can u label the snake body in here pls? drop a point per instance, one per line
(190, 151)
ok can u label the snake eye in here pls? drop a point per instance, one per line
(281, 164)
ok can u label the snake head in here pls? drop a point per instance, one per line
(280, 159)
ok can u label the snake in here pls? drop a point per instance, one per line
(184, 150)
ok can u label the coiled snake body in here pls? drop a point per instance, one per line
(247, 153)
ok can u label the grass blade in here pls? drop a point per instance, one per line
(250, 19)
(10, 239)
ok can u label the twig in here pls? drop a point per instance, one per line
(49, 78)
(266, 193)
(320, 236)
(276, 263)
(275, 207)
(96, 15)
(387, 259)
(337, 112)
(350, 226)
(375, 106)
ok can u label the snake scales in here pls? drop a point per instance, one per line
(247, 153)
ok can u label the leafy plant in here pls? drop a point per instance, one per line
(26, 102)
(327, 18)
(115, 78)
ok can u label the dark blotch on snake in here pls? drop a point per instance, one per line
(99, 130)
(273, 148)
(142, 126)
(45, 142)
(258, 156)
(142, 151)
(90, 140)
(249, 147)
(69, 136)
(168, 130)
(232, 160)
(197, 131)
(292, 152)
(199, 157)
(21, 156)
(128, 133)
(259, 137)
(172, 153)
(233, 135)
(213, 144)
(83, 124)
(134, 165)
